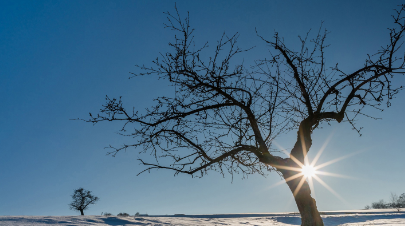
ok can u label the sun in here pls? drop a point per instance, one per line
(308, 171)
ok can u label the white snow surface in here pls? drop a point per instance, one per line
(346, 218)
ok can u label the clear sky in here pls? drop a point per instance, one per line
(59, 59)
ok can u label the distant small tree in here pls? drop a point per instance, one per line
(123, 215)
(107, 214)
(367, 207)
(402, 200)
(82, 199)
(379, 205)
(137, 214)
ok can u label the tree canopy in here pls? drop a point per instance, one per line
(224, 116)
(82, 199)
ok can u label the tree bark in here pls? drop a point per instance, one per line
(305, 203)
(81, 212)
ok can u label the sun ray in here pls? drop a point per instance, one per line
(288, 168)
(336, 160)
(321, 150)
(290, 200)
(331, 190)
(304, 148)
(311, 186)
(306, 161)
(299, 186)
(296, 161)
(289, 155)
(286, 180)
(293, 177)
(333, 174)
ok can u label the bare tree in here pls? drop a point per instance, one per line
(82, 199)
(396, 201)
(225, 117)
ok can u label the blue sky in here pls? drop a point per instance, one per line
(59, 59)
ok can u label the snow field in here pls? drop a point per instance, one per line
(330, 219)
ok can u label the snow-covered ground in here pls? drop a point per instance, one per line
(347, 218)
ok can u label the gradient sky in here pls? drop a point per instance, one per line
(59, 59)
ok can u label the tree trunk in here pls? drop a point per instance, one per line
(299, 186)
(305, 203)
(81, 212)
